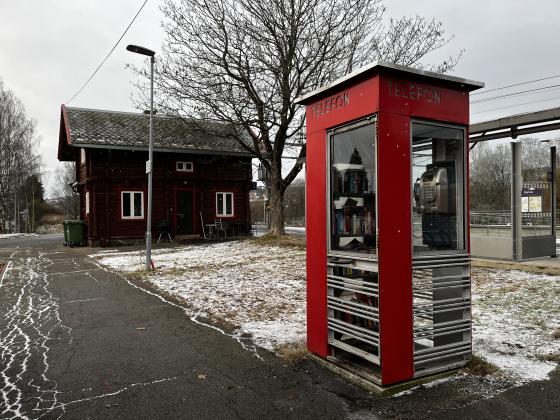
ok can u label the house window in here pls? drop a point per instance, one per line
(87, 201)
(184, 166)
(132, 205)
(224, 204)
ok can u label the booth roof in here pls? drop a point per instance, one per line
(379, 66)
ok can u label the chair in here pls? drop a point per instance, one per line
(207, 229)
(220, 227)
(164, 229)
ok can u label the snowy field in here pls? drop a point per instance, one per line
(260, 290)
(15, 235)
(515, 317)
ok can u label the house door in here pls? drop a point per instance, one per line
(184, 214)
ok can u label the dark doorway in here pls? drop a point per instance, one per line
(184, 214)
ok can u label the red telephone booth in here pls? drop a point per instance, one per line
(388, 266)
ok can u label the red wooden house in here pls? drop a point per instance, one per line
(201, 173)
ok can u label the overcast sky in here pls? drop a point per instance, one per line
(48, 48)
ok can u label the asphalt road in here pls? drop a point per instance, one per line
(81, 342)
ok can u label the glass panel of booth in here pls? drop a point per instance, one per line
(438, 187)
(352, 191)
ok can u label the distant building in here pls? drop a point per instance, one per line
(259, 194)
(200, 173)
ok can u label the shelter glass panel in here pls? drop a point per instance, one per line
(353, 190)
(536, 189)
(490, 190)
(438, 156)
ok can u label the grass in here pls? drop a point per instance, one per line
(140, 275)
(282, 241)
(551, 357)
(52, 219)
(480, 367)
(293, 353)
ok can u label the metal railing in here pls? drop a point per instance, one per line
(498, 223)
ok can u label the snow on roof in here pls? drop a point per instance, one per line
(128, 130)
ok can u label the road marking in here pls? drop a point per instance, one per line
(83, 300)
(111, 394)
(72, 272)
(6, 269)
(28, 328)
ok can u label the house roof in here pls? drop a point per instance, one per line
(94, 128)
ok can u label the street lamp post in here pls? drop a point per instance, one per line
(150, 164)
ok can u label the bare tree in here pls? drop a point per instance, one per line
(19, 159)
(490, 177)
(294, 203)
(243, 62)
(63, 191)
(490, 171)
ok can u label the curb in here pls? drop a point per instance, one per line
(509, 265)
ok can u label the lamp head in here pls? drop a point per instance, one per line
(140, 50)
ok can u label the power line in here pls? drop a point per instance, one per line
(110, 52)
(515, 84)
(507, 95)
(513, 106)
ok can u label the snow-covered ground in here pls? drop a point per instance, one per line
(260, 290)
(260, 230)
(15, 235)
(515, 315)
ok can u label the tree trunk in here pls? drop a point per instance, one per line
(276, 209)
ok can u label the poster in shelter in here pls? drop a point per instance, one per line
(535, 204)
(525, 204)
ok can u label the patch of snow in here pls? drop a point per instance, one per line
(295, 230)
(260, 230)
(271, 334)
(514, 316)
(46, 229)
(15, 235)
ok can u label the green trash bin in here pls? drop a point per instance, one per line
(65, 227)
(76, 232)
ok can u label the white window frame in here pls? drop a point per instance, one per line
(225, 193)
(184, 166)
(131, 198)
(87, 202)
